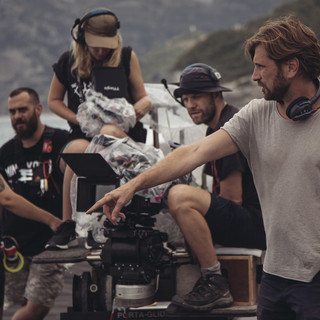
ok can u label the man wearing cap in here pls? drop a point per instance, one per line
(231, 215)
(279, 136)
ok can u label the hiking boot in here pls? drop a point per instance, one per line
(207, 293)
(91, 243)
(64, 237)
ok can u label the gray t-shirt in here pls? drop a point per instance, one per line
(284, 157)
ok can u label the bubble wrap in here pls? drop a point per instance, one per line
(98, 110)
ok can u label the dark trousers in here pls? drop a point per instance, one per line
(284, 299)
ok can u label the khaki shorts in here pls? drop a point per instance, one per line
(39, 283)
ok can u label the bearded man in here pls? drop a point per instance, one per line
(31, 166)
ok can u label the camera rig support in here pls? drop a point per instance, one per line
(133, 274)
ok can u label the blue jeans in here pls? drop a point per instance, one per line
(284, 299)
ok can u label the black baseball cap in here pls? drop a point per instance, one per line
(199, 77)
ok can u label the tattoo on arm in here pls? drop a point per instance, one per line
(2, 186)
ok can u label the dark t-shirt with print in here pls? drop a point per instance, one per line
(75, 88)
(23, 169)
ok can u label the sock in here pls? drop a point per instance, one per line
(216, 269)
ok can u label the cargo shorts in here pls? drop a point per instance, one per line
(39, 283)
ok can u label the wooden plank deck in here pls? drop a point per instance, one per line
(65, 299)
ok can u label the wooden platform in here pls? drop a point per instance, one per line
(233, 311)
(159, 310)
(165, 311)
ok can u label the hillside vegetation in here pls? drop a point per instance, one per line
(224, 49)
(35, 32)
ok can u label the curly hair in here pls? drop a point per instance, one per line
(287, 38)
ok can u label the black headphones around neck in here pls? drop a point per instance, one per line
(301, 108)
(77, 31)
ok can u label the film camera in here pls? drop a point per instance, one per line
(134, 274)
(133, 255)
(130, 261)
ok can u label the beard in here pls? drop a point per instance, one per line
(209, 113)
(206, 115)
(280, 88)
(30, 128)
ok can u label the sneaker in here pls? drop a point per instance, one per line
(91, 243)
(64, 237)
(206, 294)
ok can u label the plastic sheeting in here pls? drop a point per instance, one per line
(98, 111)
(171, 121)
(127, 158)
(167, 118)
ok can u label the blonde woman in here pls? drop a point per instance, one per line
(96, 43)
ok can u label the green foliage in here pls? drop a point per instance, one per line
(224, 49)
(158, 63)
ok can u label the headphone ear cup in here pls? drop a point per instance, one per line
(298, 107)
(80, 37)
(77, 32)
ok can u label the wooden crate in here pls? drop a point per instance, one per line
(241, 271)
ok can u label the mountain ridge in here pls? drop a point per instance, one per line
(36, 32)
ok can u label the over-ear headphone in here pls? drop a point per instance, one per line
(301, 108)
(77, 31)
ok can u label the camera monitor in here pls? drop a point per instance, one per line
(89, 165)
(95, 177)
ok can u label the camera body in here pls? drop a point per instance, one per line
(132, 256)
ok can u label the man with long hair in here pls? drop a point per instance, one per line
(279, 136)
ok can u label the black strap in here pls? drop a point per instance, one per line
(47, 146)
(126, 54)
